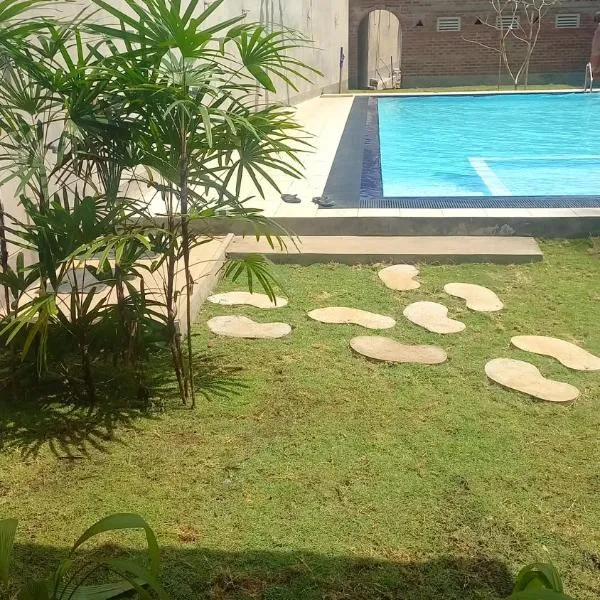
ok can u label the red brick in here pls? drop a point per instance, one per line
(425, 52)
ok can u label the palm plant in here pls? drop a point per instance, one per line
(158, 99)
(194, 89)
(12, 32)
(70, 579)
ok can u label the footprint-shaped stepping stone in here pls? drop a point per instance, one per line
(433, 317)
(400, 277)
(387, 350)
(242, 327)
(479, 298)
(526, 378)
(568, 354)
(246, 298)
(342, 315)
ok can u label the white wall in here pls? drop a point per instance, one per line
(384, 44)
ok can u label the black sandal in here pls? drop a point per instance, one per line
(291, 198)
(324, 201)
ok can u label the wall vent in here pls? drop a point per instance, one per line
(508, 22)
(449, 24)
(568, 21)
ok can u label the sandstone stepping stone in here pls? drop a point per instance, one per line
(243, 327)
(246, 298)
(387, 350)
(478, 298)
(570, 355)
(400, 277)
(341, 315)
(526, 378)
(433, 317)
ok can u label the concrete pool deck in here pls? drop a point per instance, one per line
(325, 119)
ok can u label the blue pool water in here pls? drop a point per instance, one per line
(497, 145)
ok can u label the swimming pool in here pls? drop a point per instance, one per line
(505, 150)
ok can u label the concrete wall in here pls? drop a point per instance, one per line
(324, 22)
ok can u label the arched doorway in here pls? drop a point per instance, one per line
(375, 37)
(379, 48)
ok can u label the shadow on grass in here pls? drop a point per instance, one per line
(69, 430)
(204, 573)
(55, 414)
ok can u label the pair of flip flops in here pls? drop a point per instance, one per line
(323, 201)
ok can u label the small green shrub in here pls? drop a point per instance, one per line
(539, 581)
(70, 577)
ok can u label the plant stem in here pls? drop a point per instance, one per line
(87, 370)
(185, 240)
(173, 334)
(4, 256)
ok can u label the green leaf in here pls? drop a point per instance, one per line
(209, 11)
(102, 591)
(34, 590)
(118, 14)
(124, 521)
(11, 8)
(8, 529)
(543, 594)
(126, 568)
(539, 576)
(63, 568)
(254, 267)
(262, 77)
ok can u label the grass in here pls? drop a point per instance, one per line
(470, 88)
(327, 476)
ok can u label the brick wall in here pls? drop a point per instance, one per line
(432, 56)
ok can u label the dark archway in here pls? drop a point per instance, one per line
(379, 48)
(358, 28)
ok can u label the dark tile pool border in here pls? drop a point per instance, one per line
(372, 177)
(483, 202)
(344, 181)
(355, 179)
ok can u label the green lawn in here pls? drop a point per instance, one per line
(330, 477)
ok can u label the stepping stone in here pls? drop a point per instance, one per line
(433, 317)
(387, 350)
(568, 354)
(479, 298)
(524, 377)
(243, 327)
(246, 298)
(343, 315)
(400, 277)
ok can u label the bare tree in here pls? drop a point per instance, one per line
(518, 24)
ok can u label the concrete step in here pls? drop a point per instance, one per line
(352, 250)
(553, 223)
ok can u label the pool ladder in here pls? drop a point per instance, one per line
(588, 86)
